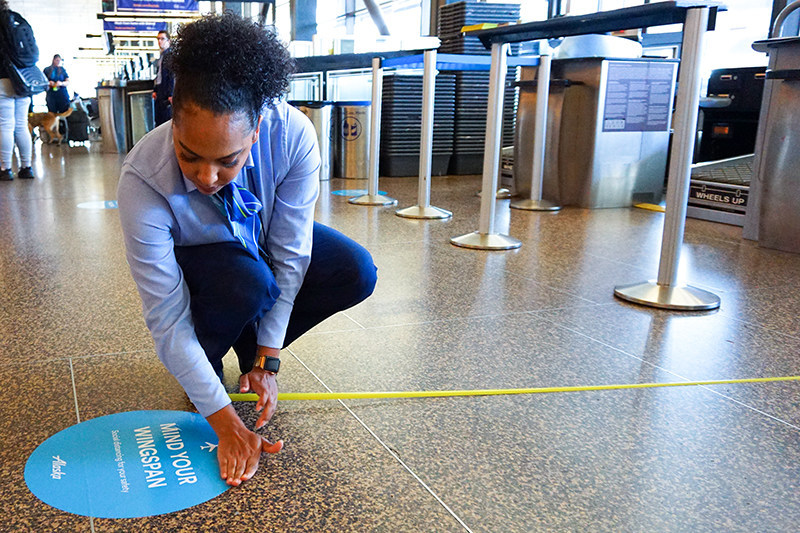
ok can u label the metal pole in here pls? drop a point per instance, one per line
(377, 16)
(426, 131)
(372, 197)
(494, 126)
(535, 202)
(687, 105)
(665, 293)
(423, 209)
(485, 238)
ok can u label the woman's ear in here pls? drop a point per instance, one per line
(258, 128)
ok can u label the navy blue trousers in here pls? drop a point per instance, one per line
(230, 291)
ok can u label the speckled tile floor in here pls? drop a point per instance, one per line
(73, 346)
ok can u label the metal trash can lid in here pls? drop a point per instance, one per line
(315, 104)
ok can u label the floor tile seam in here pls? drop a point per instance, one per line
(385, 446)
(617, 261)
(40, 198)
(752, 408)
(684, 378)
(393, 243)
(697, 284)
(69, 358)
(763, 327)
(457, 319)
(784, 285)
(743, 291)
(593, 305)
(356, 322)
(691, 234)
(125, 352)
(74, 391)
(402, 324)
(333, 331)
(550, 287)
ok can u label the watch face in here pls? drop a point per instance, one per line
(272, 364)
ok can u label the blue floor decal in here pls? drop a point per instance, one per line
(128, 465)
(100, 204)
(354, 192)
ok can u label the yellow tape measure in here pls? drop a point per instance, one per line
(651, 207)
(290, 396)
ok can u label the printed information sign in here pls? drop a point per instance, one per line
(134, 26)
(638, 96)
(128, 465)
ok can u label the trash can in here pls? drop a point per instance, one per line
(111, 102)
(320, 113)
(613, 131)
(524, 132)
(351, 139)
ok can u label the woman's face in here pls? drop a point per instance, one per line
(56, 61)
(211, 148)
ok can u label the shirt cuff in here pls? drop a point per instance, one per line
(207, 397)
(272, 326)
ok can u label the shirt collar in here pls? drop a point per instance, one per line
(240, 178)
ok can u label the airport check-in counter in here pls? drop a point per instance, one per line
(111, 106)
(773, 215)
(126, 113)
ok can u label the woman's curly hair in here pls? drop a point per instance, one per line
(228, 64)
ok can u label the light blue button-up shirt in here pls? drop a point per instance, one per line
(160, 209)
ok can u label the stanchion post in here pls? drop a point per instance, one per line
(664, 293)
(373, 197)
(535, 202)
(423, 209)
(485, 238)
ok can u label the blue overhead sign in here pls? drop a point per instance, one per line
(128, 465)
(136, 27)
(157, 5)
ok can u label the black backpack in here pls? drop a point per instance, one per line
(21, 55)
(22, 49)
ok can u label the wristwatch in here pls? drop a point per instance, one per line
(270, 364)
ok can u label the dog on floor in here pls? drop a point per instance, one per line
(48, 124)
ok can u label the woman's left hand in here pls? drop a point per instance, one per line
(265, 385)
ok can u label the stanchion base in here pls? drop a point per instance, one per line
(420, 212)
(502, 194)
(486, 241)
(372, 199)
(681, 298)
(535, 205)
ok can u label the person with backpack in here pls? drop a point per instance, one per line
(13, 107)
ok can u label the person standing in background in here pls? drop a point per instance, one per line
(13, 108)
(58, 95)
(162, 93)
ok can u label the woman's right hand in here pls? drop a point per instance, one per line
(239, 448)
